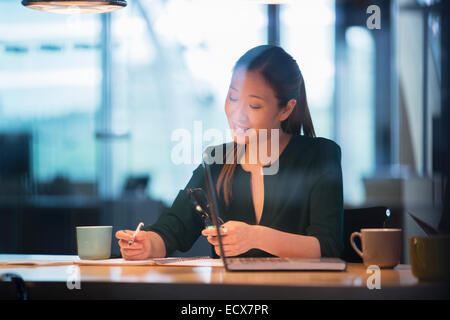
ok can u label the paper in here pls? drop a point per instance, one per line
(190, 262)
(116, 262)
(172, 261)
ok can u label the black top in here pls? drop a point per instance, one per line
(304, 197)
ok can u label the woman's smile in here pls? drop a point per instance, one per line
(238, 128)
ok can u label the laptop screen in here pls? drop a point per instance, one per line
(212, 199)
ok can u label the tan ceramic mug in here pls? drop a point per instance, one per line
(380, 247)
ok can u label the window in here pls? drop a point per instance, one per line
(172, 64)
(307, 33)
(50, 79)
(170, 67)
(356, 117)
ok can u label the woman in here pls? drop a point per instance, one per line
(296, 212)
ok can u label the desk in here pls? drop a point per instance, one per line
(161, 282)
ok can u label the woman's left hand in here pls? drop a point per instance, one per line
(237, 238)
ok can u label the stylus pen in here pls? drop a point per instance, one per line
(140, 225)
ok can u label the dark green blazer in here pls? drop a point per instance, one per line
(305, 197)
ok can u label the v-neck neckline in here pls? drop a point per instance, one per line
(250, 201)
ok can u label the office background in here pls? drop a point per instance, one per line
(89, 103)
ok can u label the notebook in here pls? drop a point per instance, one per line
(189, 262)
(50, 260)
(115, 262)
(171, 261)
(261, 264)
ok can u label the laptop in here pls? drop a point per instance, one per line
(262, 264)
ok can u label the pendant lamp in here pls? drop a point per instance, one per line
(75, 6)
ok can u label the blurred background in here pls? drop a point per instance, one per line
(89, 105)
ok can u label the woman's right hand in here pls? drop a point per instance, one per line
(139, 250)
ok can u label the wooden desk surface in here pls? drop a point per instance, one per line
(161, 282)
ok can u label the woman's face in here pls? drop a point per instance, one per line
(251, 104)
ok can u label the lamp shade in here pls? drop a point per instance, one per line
(75, 6)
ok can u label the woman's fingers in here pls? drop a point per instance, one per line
(130, 255)
(140, 236)
(235, 237)
(124, 235)
(229, 250)
(135, 246)
(213, 231)
(140, 249)
(215, 240)
(134, 252)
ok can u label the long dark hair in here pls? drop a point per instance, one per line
(283, 74)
